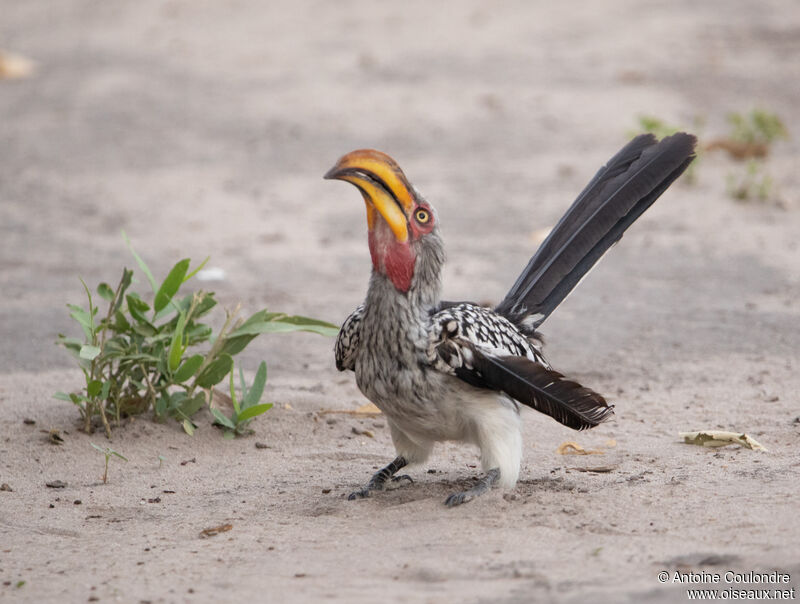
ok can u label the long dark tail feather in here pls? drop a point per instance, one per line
(543, 389)
(618, 194)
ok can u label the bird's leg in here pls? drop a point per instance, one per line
(484, 484)
(379, 479)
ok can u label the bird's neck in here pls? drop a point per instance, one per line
(423, 291)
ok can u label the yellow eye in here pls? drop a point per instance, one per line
(422, 216)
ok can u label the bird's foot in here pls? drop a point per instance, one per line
(379, 480)
(362, 494)
(483, 485)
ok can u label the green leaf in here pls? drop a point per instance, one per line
(89, 352)
(105, 292)
(221, 419)
(197, 270)
(120, 322)
(215, 371)
(285, 324)
(137, 307)
(197, 333)
(257, 389)
(140, 262)
(84, 319)
(92, 309)
(171, 284)
(192, 405)
(234, 400)
(93, 388)
(122, 457)
(261, 316)
(124, 284)
(207, 302)
(229, 435)
(253, 411)
(176, 346)
(161, 406)
(235, 345)
(188, 369)
(242, 383)
(188, 427)
(62, 396)
(101, 449)
(145, 329)
(176, 399)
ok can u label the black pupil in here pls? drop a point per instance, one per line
(422, 216)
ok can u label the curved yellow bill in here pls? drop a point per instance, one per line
(383, 185)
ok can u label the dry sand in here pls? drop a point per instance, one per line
(204, 128)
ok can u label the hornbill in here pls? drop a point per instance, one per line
(458, 371)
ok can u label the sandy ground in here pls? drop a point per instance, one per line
(204, 128)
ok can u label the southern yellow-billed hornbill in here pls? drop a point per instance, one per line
(458, 371)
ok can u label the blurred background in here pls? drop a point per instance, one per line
(204, 128)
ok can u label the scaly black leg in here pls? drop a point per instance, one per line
(378, 481)
(483, 485)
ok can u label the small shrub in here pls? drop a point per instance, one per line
(142, 355)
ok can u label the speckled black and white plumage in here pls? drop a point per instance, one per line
(458, 372)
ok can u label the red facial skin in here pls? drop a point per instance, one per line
(396, 259)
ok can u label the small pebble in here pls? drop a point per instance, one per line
(260, 445)
(5, 487)
(77, 502)
(29, 421)
(56, 484)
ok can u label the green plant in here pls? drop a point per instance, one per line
(753, 183)
(751, 138)
(143, 355)
(757, 127)
(248, 408)
(108, 452)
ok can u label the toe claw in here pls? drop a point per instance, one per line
(362, 494)
(403, 477)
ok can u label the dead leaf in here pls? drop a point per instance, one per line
(13, 66)
(573, 448)
(719, 438)
(361, 432)
(367, 409)
(596, 469)
(216, 530)
(739, 150)
(611, 443)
